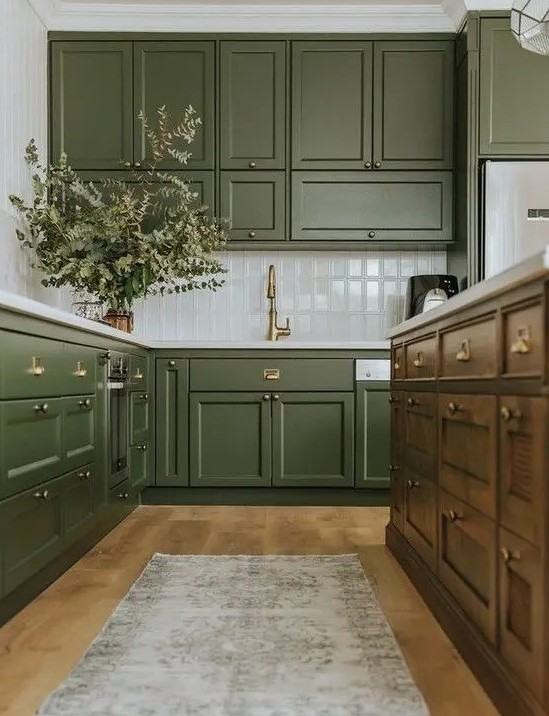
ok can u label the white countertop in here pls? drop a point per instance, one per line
(524, 272)
(20, 304)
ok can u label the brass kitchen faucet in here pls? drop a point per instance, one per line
(275, 331)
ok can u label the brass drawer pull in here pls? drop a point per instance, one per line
(393, 468)
(464, 353)
(412, 402)
(81, 370)
(41, 495)
(41, 408)
(522, 345)
(454, 516)
(412, 484)
(37, 367)
(85, 475)
(396, 365)
(123, 495)
(509, 556)
(138, 374)
(266, 396)
(271, 374)
(141, 447)
(84, 403)
(454, 408)
(418, 362)
(510, 414)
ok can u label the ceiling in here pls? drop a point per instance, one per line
(259, 15)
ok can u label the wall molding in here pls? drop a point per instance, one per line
(183, 17)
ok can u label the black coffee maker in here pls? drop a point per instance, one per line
(423, 292)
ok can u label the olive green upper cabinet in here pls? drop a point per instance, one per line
(254, 204)
(413, 105)
(91, 103)
(514, 94)
(331, 105)
(175, 75)
(253, 105)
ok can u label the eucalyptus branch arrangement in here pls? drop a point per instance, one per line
(121, 240)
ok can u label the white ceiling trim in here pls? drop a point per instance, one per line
(137, 17)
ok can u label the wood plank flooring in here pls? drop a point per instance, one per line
(42, 643)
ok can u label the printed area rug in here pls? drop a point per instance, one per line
(243, 636)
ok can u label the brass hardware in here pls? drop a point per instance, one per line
(522, 345)
(137, 165)
(37, 367)
(418, 362)
(271, 374)
(171, 363)
(41, 495)
(454, 516)
(509, 556)
(252, 165)
(141, 447)
(454, 408)
(251, 234)
(145, 397)
(127, 165)
(123, 495)
(85, 475)
(275, 331)
(392, 399)
(105, 357)
(396, 365)
(41, 408)
(84, 403)
(266, 396)
(371, 234)
(138, 374)
(81, 370)
(412, 401)
(276, 397)
(377, 165)
(393, 468)
(412, 484)
(368, 165)
(509, 414)
(464, 353)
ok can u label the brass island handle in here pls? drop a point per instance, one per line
(454, 408)
(509, 414)
(464, 353)
(454, 516)
(396, 365)
(418, 362)
(412, 484)
(522, 345)
(509, 556)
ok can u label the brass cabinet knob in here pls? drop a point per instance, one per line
(396, 365)
(251, 234)
(84, 475)
(509, 414)
(145, 397)
(412, 402)
(123, 495)
(266, 396)
(412, 484)
(276, 397)
(454, 408)
(84, 403)
(377, 165)
(368, 165)
(418, 361)
(137, 165)
(127, 165)
(252, 165)
(509, 555)
(371, 234)
(454, 516)
(393, 468)
(41, 495)
(141, 447)
(41, 408)
(393, 399)
(171, 363)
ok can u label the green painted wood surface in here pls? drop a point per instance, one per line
(17, 379)
(139, 416)
(91, 103)
(313, 439)
(514, 103)
(230, 439)
(413, 105)
(373, 433)
(368, 206)
(175, 75)
(253, 105)
(254, 204)
(139, 473)
(172, 422)
(78, 431)
(79, 503)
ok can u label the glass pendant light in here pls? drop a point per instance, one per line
(530, 25)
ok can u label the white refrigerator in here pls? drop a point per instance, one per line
(516, 212)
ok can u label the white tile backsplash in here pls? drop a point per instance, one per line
(327, 295)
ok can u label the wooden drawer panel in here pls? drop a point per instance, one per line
(396, 401)
(420, 426)
(523, 434)
(421, 359)
(420, 523)
(397, 363)
(522, 610)
(285, 374)
(468, 452)
(524, 340)
(398, 499)
(139, 375)
(469, 351)
(467, 561)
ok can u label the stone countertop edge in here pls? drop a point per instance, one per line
(524, 272)
(27, 306)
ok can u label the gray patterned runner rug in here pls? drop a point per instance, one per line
(243, 636)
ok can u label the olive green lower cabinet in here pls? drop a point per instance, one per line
(373, 429)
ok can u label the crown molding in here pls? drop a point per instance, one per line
(170, 17)
(456, 11)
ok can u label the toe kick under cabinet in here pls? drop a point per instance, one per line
(469, 483)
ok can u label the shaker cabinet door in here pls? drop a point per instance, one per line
(172, 422)
(91, 103)
(331, 105)
(254, 202)
(253, 105)
(373, 435)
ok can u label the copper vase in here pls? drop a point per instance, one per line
(122, 320)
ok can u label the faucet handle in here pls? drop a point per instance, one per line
(287, 323)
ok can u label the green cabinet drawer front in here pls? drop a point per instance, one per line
(91, 103)
(413, 105)
(175, 75)
(32, 525)
(139, 474)
(373, 435)
(79, 502)
(271, 374)
(253, 202)
(30, 366)
(139, 371)
(514, 102)
(385, 206)
(139, 417)
(78, 431)
(79, 369)
(331, 105)
(230, 440)
(31, 443)
(253, 105)
(313, 439)
(172, 422)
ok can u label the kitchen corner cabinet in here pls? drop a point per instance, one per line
(373, 430)
(514, 103)
(172, 422)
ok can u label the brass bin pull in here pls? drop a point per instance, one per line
(464, 353)
(81, 370)
(271, 374)
(523, 344)
(37, 367)
(418, 362)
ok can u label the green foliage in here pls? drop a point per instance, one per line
(122, 240)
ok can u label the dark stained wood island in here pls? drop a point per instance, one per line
(470, 474)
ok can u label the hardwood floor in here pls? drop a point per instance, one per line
(42, 643)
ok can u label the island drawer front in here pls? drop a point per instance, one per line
(469, 351)
(397, 363)
(420, 518)
(420, 433)
(467, 561)
(271, 374)
(523, 431)
(468, 449)
(421, 359)
(523, 340)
